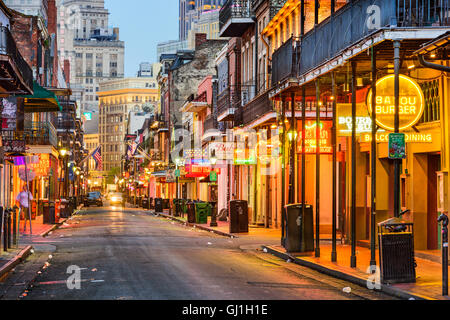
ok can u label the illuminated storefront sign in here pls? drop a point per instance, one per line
(310, 137)
(344, 119)
(409, 137)
(411, 102)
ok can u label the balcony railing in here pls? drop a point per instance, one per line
(235, 17)
(34, 133)
(255, 109)
(285, 61)
(210, 124)
(350, 24)
(8, 48)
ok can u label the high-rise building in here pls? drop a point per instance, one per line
(117, 99)
(170, 47)
(29, 7)
(148, 70)
(190, 12)
(93, 48)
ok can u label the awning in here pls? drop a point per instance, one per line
(42, 100)
(159, 174)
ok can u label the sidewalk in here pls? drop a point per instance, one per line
(38, 227)
(428, 281)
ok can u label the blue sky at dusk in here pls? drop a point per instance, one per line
(143, 24)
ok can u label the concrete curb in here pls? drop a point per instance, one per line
(52, 228)
(395, 292)
(218, 232)
(19, 258)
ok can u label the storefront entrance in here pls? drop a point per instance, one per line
(434, 165)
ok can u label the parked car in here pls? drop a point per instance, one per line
(117, 198)
(93, 198)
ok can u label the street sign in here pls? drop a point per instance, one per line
(14, 146)
(177, 173)
(397, 146)
(213, 176)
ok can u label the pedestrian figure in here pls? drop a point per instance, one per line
(23, 199)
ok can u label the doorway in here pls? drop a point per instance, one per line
(434, 165)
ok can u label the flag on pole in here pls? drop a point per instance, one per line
(97, 155)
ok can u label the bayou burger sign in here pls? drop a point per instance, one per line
(411, 106)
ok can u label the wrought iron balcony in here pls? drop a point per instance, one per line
(34, 133)
(254, 110)
(233, 98)
(285, 61)
(15, 74)
(210, 123)
(350, 24)
(235, 17)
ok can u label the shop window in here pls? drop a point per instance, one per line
(432, 101)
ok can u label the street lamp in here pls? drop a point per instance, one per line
(179, 161)
(213, 161)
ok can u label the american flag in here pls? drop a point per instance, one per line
(97, 155)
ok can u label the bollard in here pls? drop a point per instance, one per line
(5, 230)
(15, 226)
(444, 219)
(213, 214)
(9, 230)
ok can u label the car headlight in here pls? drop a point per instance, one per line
(114, 199)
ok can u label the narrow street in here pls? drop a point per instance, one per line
(129, 254)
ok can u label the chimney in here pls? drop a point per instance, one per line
(116, 33)
(51, 14)
(67, 70)
(200, 38)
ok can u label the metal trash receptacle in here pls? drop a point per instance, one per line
(396, 251)
(64, 213)
(49, 212)
(201, 212)
(158, 205)
(299, 229)
(238, 216)
(190, 210)
(166, 203)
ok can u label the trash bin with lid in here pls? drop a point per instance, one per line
(48, 212)
(299, 229)
(158, 205)
(166, 203)
(238, 216)
(201, 212)
(190, 210)
(64, 209)
(396, 250)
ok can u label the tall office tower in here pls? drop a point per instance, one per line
(117, 99)
(190, 12)
(29, 7)
(93, 48)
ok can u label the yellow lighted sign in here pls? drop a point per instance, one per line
(409, 137)
(411, 103)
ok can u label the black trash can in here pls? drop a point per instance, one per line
(158, 205)
(190, 212)
(396, 243)
(166, 204)
(64, 213)
(49, 212)
(299, 229)
(238, 216)
(152, 206)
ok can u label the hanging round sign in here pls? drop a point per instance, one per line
(30, 174)
(411, 104)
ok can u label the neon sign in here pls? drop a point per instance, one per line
(411, 105)
(310, 137)
(409, 137)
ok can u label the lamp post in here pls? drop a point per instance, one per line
(213, 160)
(178, 163)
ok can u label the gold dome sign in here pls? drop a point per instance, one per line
(411, 103)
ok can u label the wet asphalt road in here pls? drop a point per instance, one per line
(129, 254)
